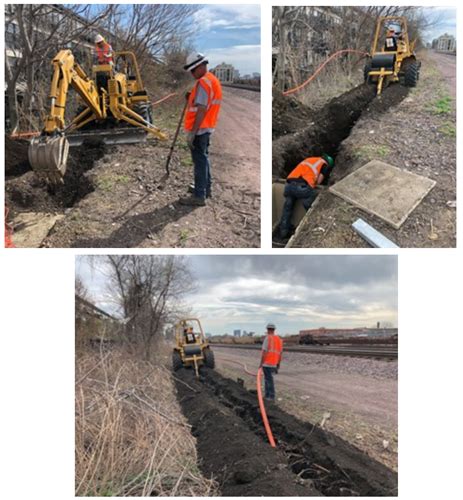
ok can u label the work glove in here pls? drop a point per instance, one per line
(190, 139)
(187, 95)
(277, 368)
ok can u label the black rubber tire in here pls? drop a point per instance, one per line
(176, 361)
(209, 359)
(411, 74)
(144, 110)
(366, 70)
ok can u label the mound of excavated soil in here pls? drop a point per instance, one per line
(232, 446)
(289, 115)
(24, 191)
(329, 127)
(16, 161)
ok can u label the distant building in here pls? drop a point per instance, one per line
(236, 74)
(224, 72)
(236, 333)
(445, 43)
(256, 75)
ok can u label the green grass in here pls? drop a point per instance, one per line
(448, 129)
(183, 236)
(372, 151)
(187, 161)
(441, 106)
(107, 182)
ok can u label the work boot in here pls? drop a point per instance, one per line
(191, 190)
(193, 200)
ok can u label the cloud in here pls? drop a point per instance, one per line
(246, 58)
(295, 292)
(228, 16)
(231, 34)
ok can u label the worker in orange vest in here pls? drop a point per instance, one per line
(301, 184)
(104, 51)
(272, 349)
(201, 117)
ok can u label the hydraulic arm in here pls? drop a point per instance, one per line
(111, 100)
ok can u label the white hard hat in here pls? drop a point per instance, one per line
(194, 60)
(99, 38)
(271, 326)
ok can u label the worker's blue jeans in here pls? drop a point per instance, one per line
(293, 192)
(269, 384)
(202, 165)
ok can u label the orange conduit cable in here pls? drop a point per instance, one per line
(168, 96)
(263, 412)
(317, 71)
(8, 232)
(268, 429)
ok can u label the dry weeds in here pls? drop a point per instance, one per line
(131, 437)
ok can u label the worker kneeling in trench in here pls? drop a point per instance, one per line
(301, 184)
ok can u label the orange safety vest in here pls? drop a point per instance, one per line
(211, 85)
(272, 356)
(104, 53)
(309, 169)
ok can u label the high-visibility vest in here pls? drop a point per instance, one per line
(272, 355)
(309, 170)
(104, 53)
(212, 86)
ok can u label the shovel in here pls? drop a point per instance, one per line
(175, 138)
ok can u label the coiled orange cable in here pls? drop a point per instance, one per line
(317, 71)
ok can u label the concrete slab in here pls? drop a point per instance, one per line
(384, 190)
(31, 228)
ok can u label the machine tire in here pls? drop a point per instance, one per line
(144, 110)
(209, 359)
(366, 70)
(176, 361)
(411, 74)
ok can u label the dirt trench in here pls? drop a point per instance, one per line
(328, 126)
(233, 447)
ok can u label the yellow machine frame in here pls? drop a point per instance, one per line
(121, 93)
(405, 50)
(197, 359)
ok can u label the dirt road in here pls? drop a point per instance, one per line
(119, 197)
(359, 394)
(447, 65)
(371, 398)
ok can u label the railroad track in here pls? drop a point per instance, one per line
(252, 88)
(354, 351)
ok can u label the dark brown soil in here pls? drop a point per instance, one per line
(119, 196)
(289, 115)
(233, 447)
(25, 191)
(414, 135)
(329, 127)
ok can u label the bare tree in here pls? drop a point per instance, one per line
(151, 30)
(303, 37)
(35, 32)
(148, 290)
(39, 31)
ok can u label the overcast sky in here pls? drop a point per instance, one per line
(231, 34)
(444, 21)
(295, 292)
